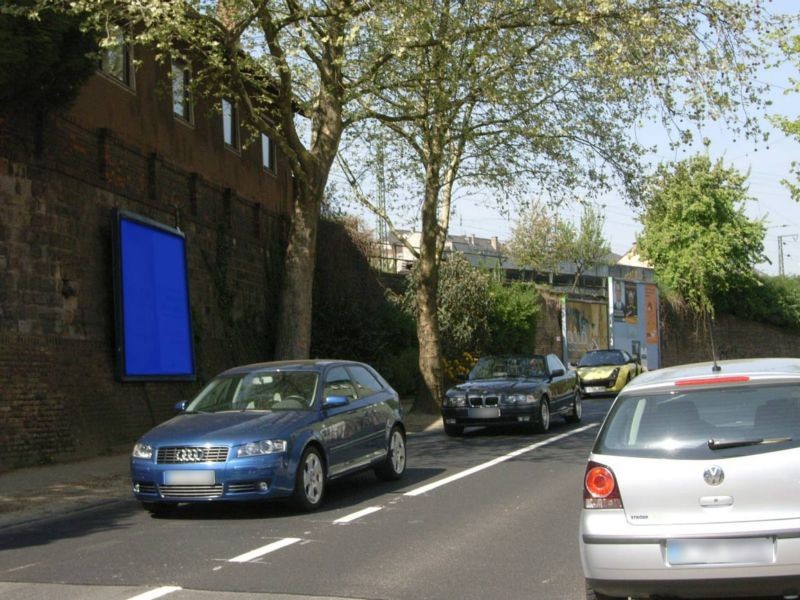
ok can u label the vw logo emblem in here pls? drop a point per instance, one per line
(189, 455)
(714, 475)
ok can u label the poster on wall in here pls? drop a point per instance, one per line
(151, 290)
(651, 314)
(619, 300)
(631, 308)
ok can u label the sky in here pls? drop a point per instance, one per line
(767, 164)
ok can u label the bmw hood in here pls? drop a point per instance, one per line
(226, 428)
(495, 386)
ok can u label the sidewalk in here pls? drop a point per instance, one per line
(36, 492)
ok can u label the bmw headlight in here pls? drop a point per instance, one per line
(141, 450)
(520, 399)
(455, 400)
(261, 448)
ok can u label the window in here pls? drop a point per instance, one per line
(338, 384)
(117, 57)
(553, 364)
(181, 98)
(680, 424)
(366, 383)
(230, 124)
(267, 153)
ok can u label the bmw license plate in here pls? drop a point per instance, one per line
(754, 551)
(483, 412)
(189, 478)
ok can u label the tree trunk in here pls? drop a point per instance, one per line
(294, 317)
(432, 390)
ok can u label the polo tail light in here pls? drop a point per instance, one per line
(600, 489)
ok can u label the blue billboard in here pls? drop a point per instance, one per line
(151, 285)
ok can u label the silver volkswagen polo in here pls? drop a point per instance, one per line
(692, 489)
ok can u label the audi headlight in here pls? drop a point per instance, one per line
(261, 448)
(520, 399)
(455, 400)
(142, 451)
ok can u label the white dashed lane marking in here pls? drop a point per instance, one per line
(357, 515)
(496, 461)
(157, 593)
(258, 552)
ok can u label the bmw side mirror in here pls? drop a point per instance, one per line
(335, 402)
(557, 373)
(181, 406)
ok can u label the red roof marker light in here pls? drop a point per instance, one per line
(713, 380)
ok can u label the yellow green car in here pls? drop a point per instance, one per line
(605, 372)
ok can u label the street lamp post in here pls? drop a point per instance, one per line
(780, 251)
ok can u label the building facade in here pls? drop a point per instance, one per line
(134, 139)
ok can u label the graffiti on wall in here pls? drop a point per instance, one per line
(587, 328)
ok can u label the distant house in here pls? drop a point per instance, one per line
(632, 259)
(480, 252)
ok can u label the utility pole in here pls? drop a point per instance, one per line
(780, 251)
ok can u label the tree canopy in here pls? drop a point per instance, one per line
(695, 232)
(517, 95)
(43, 63)
(542, 239)
(791, 125)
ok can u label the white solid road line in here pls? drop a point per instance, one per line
(357, 515)
(432, 486)
(157, 593)
(248, 556)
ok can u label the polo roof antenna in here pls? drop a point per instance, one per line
(710, 322)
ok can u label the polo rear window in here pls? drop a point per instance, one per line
(703, 422)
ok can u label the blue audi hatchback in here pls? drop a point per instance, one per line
(272, 430)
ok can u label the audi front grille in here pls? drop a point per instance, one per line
(190, 454)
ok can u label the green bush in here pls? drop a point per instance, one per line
(771, 300)
(513, 310)
(401, 370)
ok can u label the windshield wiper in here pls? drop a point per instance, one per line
(722, 444)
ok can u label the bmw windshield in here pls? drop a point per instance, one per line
(504, 367)
(270, 389)
(703, 423)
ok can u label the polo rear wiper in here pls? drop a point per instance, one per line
(722, 444)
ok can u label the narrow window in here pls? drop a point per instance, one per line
(267, 153)
(230, 124)
(117, 57)
(181, 99)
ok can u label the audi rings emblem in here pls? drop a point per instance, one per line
(714, 475)
(189, 455)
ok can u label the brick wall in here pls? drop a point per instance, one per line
(685, 340)
(58, 187)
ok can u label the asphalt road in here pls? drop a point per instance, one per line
(493, 514)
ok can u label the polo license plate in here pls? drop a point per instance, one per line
(752, 551)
